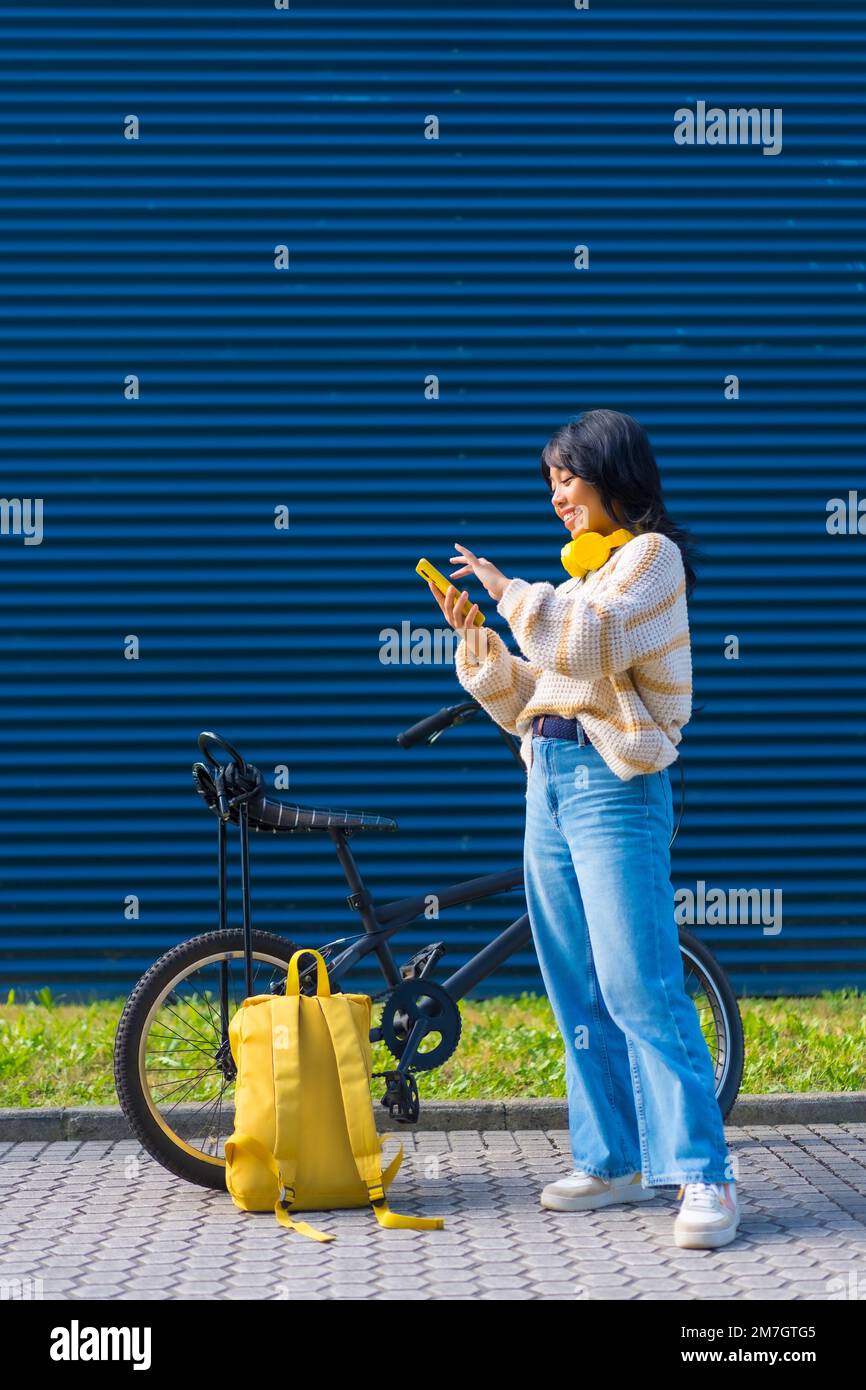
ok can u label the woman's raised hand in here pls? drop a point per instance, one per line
(494, 581)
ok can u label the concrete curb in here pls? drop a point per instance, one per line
(46, 1124)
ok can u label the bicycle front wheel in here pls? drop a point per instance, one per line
(173, 1068)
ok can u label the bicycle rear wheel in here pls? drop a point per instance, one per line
(718, 1012)
(173, 1068)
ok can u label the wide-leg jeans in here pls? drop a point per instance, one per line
(639, 1077)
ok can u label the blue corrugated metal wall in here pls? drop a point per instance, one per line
(305, 387)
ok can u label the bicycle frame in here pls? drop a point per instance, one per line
(381, 923)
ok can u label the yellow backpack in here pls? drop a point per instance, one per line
(307, 1144)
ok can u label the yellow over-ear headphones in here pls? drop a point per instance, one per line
(589, 551)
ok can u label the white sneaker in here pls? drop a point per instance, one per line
(581, 1191)
(708, 1216)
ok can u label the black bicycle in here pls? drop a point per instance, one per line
(173, 1066)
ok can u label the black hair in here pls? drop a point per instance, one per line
(612, 453)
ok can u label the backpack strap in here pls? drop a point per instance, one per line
(360, 1121)
(248, 1144)
(390, 1173)
(286, 1062)
(286, 1052)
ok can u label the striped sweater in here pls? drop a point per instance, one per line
(611, 649)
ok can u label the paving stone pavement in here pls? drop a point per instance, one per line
(101, 1220)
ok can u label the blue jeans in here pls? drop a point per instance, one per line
(639, 1077)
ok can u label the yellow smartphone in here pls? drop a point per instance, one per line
(430, 572)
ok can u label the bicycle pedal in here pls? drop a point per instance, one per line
(401, 1093)
(423, 961)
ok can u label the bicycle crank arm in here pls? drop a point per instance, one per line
(410, 1049)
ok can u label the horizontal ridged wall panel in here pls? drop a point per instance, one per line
(305, 388)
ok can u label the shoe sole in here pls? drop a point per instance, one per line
(707, 1240)
(597, 1199)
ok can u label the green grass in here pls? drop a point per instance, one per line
(61, 1054)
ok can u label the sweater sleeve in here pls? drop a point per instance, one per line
(609, 630)
(503, 684)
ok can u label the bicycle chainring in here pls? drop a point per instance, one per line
(421, 999)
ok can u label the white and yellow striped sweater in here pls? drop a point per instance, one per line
(611, 649)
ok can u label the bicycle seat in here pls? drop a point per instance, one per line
(279, 817)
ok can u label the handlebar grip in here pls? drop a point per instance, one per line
(425, 727)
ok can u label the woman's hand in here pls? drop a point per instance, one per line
(494, 581)
(452, 605)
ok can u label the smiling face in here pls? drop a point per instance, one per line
(578, 504)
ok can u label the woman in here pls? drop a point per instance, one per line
(599, 703)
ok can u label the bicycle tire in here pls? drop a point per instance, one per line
(172, 1152)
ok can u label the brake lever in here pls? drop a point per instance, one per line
(470, 712)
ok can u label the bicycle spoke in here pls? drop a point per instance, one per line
(193, 1084)
(217, 1103)
(183, 1080)
(205, 1040)
(195, 1011)
(219, 1115)
(184, 1039)
(190, 1005)
(175, 1070)
(207, 1052)
(210, 1105)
